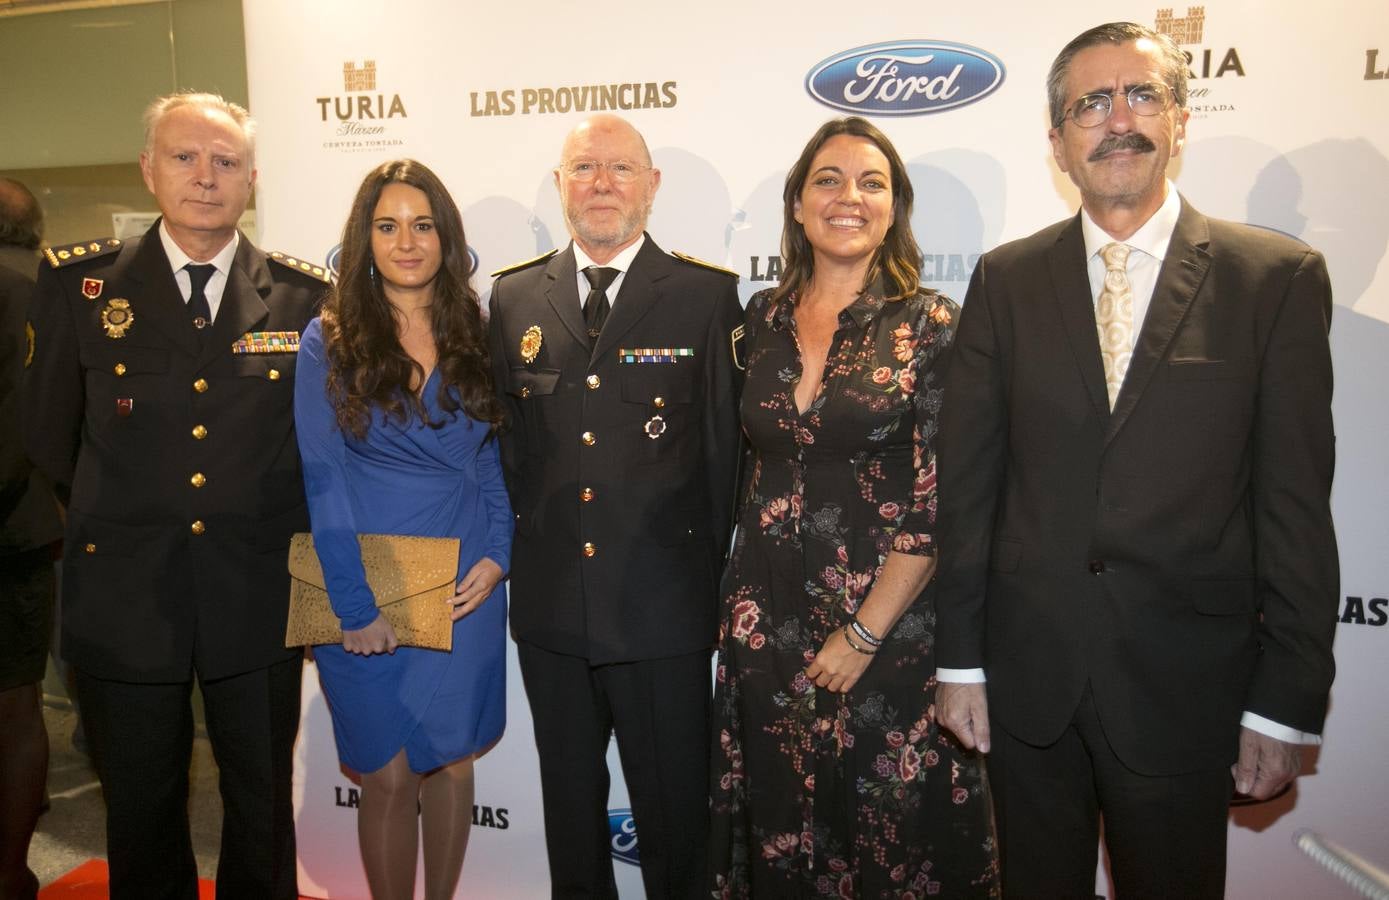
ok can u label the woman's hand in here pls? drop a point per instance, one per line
(378, 637)
(837, 667)
(475, 587)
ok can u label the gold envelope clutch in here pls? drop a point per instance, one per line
(411, 578)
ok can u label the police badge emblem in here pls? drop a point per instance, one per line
(530, 344)
(91, 288)
(117, 317)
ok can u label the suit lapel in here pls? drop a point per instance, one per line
(154, 296)
(1066, 259)
(638, 295)
(1183, 270)
(563, 293)
(243, 303)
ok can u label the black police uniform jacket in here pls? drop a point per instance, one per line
(621, 471)
(178, 457)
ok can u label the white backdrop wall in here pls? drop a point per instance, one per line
(1288, 130)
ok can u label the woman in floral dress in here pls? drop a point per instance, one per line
(831, 777)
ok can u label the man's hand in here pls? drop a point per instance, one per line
(378, 637)
(1265, 764)
(476, 586)
(964, 709)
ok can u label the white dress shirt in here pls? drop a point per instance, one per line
(621, 262)
(222, 262)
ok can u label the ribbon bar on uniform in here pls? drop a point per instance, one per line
(653, 354)
(267, 342)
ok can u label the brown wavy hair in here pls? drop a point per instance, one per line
(367, 367)
(898, 259)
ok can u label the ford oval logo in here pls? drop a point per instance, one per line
(905, 78)
(622, 830)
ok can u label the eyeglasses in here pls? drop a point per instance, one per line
(1144, 99)
(621, 170)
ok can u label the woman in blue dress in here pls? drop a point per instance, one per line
(396, 422)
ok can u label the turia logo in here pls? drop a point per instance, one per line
(622, 831)
(1186, 30)
(905, 78)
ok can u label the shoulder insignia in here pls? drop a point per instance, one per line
(703, 264)
(70, 253)
(299, 265)
(524, 264)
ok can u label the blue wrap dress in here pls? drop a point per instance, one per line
(413, 479)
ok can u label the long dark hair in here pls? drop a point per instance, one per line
(897, 261)
(367, 367)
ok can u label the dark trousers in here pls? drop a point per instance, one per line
(141, 737)
(659, 710)
(1165, 835)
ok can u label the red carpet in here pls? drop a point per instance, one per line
(88, 882)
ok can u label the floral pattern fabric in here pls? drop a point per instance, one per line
(818, 794)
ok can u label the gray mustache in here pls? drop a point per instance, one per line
(1131, 141)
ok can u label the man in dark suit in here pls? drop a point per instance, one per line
(29, 536)
(621, 458)
(159, 400)
(21, 228)
(29, 533)
(1136, 461)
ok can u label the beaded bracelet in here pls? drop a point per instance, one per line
(864, 634)
(850, 641)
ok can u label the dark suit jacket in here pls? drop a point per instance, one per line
(1177, 553)
(28, 513)
(159, 574)
(660, 511)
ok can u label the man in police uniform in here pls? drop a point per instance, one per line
(619, 366)
(159, 400)
(30, 532)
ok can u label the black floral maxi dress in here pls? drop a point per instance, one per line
(818, 794)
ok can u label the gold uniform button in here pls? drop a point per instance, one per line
(273, 374)
(589, 549)
(525, 391)
(90, 548)
(586, 494)
(659, 402)
(120, 369)
(589, 438)
(197, 527)
(199, 432)
(594, 382)
(200, 385)
(198, 479)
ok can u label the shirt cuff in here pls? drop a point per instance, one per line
(960, 676)
(1279, 732)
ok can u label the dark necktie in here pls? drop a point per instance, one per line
(596, 303)
(198, 309)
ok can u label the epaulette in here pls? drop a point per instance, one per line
(65, 256)
(703, 264)
(298, 265)
(524, 264)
